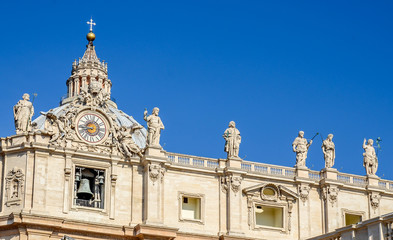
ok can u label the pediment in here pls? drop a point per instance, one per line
(270, 191)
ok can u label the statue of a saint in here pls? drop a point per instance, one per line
(154, 125)
(329, 151)
(23, 112)
(233, 140)
(370, 160)
(300, 147)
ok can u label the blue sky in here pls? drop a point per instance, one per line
(274, 67)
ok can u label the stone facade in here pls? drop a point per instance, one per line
(87, 170)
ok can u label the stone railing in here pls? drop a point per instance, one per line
(374, 228)
(351, 179)
(386, 184)
(194, 161)
(268, 169)
(273, 170)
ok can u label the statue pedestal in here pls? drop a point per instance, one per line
(329, 173)
(373, 180)
(154, 151)
(302, 172)
(234, 162)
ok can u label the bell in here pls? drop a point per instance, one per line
(84, 191)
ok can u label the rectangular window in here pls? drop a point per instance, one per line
(269, 216)
(89, 187)
(191, 208)
(352, 219)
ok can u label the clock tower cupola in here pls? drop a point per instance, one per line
(88, 71)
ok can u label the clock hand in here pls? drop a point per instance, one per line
(88, 128)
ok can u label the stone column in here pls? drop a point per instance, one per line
(84, 81)
(329, 190)
(71, 88)
(76, 84)
(153, 188)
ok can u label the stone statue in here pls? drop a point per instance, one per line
(300, 147)
(23, 112)
(154, 125)
(329, 151)
(233, 140)
(370, 160)
(127, 143)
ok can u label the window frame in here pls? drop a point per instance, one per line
(104, 167)
(362, 214)
(201, 197)
(284, 208)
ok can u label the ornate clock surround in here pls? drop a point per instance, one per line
(92, 127)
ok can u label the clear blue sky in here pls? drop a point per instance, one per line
(274, 67)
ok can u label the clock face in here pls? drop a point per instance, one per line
(92, 127)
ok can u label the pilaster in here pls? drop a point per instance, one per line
(304, 218)
(67, 183)
(153, 189)
(329, 190)
(234, 195)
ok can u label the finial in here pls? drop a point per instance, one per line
(91, 36)
(91, 23)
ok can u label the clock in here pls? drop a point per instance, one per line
(92, 127)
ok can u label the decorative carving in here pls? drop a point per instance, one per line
(232, 140)
(330, 194)
(126, 145)
(374, 200)
(285, 197)
(290, 207)
(156, 172)
(55, 127)
(23, 112)
(14, 187)
(300, 147)
(304, 190)
(236, 182)
(270, 192)
(224, 183)
(329, 151)
(154, 125)
(93, 96)
(370, 160)
(249, 207)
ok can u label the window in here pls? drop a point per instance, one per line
(191, 208)
(352, 219)
(269, 216)
(89, 188)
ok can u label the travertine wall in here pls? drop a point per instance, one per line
(135, 195)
